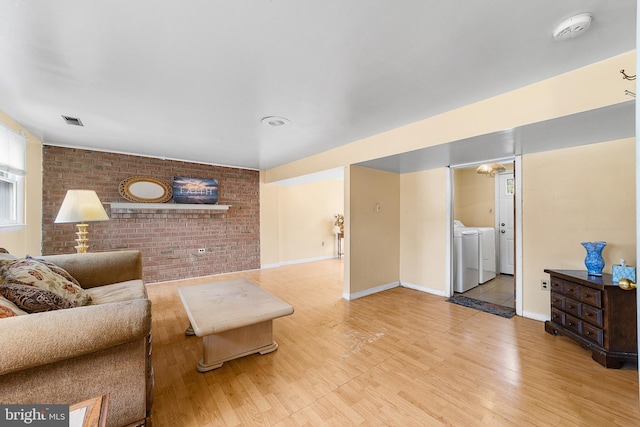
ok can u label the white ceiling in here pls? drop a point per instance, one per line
(192, 80)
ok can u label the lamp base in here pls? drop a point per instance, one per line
(82, 239)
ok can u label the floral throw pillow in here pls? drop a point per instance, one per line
(34, 273)
(56, 269)
(9, 309)
(32, 299)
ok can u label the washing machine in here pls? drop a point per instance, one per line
(486, 250)
(465, 259)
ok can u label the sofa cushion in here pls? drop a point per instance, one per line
(9, 309)
(32, 299)
(31, 272)
(116, 292)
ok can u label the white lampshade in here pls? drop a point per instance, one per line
(81, 206)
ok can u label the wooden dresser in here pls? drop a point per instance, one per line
(596, 313)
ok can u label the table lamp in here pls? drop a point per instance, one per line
(81, 206)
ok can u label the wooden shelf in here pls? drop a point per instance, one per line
(169, 206)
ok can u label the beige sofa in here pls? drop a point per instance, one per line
(70, 355)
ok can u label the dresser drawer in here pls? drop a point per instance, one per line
(590, 296)
(592, 315)
(557, 301)
(556, 285)
(570, 290)
(572, 306)
(573, 323)
(557, 316)
(577, 292)
(592, 333)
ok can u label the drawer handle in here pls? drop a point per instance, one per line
(570, 323)
(570, 306)
(588, 333)
(588, 314)
(588, 296)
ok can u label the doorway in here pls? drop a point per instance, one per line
(486, 202)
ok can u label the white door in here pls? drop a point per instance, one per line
(505, 198)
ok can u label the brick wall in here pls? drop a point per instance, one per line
(169, 239)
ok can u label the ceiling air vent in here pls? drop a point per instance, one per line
(74, 121)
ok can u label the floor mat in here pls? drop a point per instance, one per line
(487, 307)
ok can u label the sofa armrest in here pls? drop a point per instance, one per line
(42, 338)
(101, 268)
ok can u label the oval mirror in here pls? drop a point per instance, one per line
(142, 189)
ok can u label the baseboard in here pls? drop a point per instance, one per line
(265, 266)
(535, 316)
(423, 289)
(370, 291)
(301, 261)
(296, 261)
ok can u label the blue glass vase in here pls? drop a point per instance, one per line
(594, 261)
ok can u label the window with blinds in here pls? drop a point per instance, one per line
(12, 171)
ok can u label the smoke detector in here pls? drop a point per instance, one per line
(572, 27)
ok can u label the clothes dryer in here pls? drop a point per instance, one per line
(486, 254)
(465, 259)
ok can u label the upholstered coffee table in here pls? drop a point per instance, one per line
(234, 319)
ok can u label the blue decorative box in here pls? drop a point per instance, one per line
(622, 272)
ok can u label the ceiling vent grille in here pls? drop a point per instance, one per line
(73, 121)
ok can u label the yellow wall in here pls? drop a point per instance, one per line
(473, 198)
(570, 196)
(306, 220)
(423, 250)
(374, 236)
(28, 240)
(269, 223)
(297, 221)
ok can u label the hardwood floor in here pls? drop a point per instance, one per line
(497, 291)
(399, 358)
